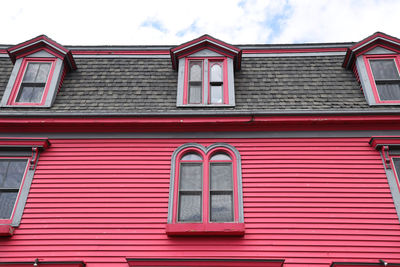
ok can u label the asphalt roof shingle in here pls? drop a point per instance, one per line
(149, 85)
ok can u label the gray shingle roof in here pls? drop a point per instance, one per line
(149, 85)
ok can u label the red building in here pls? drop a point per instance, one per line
(203, 154)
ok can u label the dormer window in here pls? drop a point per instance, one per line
(385, 78)
(375, 61)
(34, 81)
(195, 82)
(217, 87)
(206, 77)
(40, 65)
(206, 72)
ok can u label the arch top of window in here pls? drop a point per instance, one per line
(220, 156)
(191, 156)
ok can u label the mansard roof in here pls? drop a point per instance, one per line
(139, 80)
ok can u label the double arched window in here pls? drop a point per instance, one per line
(205, 190)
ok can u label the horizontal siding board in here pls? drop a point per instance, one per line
(309, 201)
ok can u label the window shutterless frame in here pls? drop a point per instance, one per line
(395, 163)
(375, 80)
(14, 98)
(221, 208)
(11, 183)
(208, 82)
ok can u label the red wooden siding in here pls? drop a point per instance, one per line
(308, 201)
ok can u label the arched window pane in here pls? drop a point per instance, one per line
(191, 156)
(195, 71)
(216, 73)
(220, 156)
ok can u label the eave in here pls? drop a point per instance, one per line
(368, 43)
(42, 42)
(199, 123)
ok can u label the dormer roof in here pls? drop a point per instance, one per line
(206, 42)
(365, 45)
(42, 42)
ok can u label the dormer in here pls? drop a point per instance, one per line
(376, 63)
(206, 69)
(40, 65)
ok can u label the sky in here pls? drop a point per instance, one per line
(172, 22)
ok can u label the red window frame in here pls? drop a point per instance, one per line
(207, 86)
(20, 75)
(206, 226)
(367, 58)
(9, 221)
(396, 172)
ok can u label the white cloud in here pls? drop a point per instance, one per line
(339, 21)
(120, 22)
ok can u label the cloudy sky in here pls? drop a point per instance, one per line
(171, 22)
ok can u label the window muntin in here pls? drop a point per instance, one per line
(12, 173)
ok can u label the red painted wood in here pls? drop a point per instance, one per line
(202, 262)
(213, 229)
(6, 230)
(310, 201)
(201, 124)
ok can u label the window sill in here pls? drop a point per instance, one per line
(6, 230)
(190, 229)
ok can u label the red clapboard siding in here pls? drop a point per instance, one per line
(310, 201)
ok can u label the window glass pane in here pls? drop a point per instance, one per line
(216, 94)
(216, 73)
(220, 156)
(221, 176)
(31, 72)
(30, 94)
(191, 156)
(191, 176)
(196, 72)
(43, 72)
(396, 162)
(25, 94)
(7, 200)
(3, 171)
(14, 173)
(195, 94)
(388, 91)
(384, 69)
(189, 208)
(221, 208)
(36, 94)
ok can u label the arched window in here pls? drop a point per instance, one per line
(195, 82)
(216, 83)
(205, 191)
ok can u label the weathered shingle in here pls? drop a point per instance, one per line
(148, 85)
